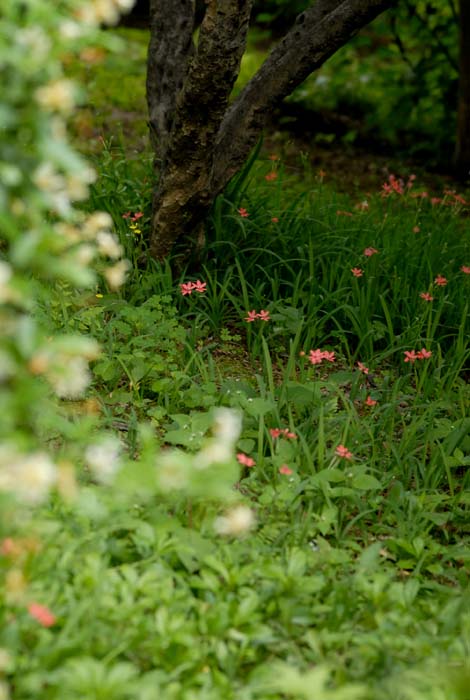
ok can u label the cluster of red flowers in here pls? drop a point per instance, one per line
(284, 432)
(316, 357)
(412, 356)
(244, 460)
(190, 287)
(396, 185)
(133, 217)
(263, 315)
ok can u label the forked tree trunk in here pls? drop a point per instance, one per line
(200, 141)
(462, 150)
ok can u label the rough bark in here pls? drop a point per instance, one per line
(183, 194)
(209, 141)
(170, 49)
(462, 149)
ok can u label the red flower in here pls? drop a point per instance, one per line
(284, 469)
(126, 215)
(426, 296)
(264, 315)
(275, 432)
(423, 354)
(316, 357)
(410, 356)
(252, 316)
(416, 229)
(275, 220)
(440, 281)
(370, 401)
(137, 215)
(465, 269)
(271, 176)
(243, 212)
(363, 368)
(368, 252)
(343, 452)
(245, 460)
(42, 614)
(199, 286)
(186, 288)
(357, 272)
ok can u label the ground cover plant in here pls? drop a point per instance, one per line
(259, 487)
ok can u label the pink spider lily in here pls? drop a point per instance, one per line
(343, 452)
(245, 460)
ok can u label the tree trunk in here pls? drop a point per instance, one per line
(462, 150)
(199, 140)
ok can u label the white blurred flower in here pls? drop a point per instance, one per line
(116, 275)
(84, 254)
(30, 477)
(227, 426)
(68, 29)
(5, 277)
(35, 41)
(172, 470)
(104, 459)
(57, 96)
(238, 521)
(48, 179)
(69, 376)
(77, 189)
(106, 11)
(214, 453)
(125, 5)
(96, 222)
(108, 245)
(7, 366)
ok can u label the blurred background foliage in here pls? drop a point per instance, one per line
(393, 87)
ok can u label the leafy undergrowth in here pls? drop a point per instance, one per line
(308, 318)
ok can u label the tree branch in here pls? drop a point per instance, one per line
(170, 49)
(316, 35)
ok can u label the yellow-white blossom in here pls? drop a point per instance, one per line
(227, 426)
(5, 277)
(116, 275)
(237, 521)
(108, 245)
(104, 459)
(96, 222)
(29, 476)
(57, 96)
(69, 376)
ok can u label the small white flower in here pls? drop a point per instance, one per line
(5, 277)
(98, 221)
(227, 426)
(70, 30)
(29, 476)
(104, 459)
(109, 245)
(84, 254)
(125, 5)
(237, 521)
(106, 11)
(214, 453)
(57, 96)
(172, 471)
(116, 275)
(69, 376)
